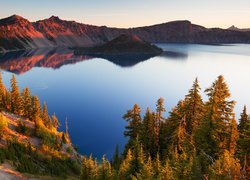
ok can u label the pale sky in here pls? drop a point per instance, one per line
(134, 13)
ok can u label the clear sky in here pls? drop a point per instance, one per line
(133, 13)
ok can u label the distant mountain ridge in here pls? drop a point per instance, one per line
(18, 33)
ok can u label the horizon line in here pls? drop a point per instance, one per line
(124, 27)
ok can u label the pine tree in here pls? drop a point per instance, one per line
(226, 167)
(116, 159)
(16, 100)
(148, 131)
(89, 169)
(170, 128)
(219, 115)
(66, 129)
(36, 113)
(125, 166)
(137, 164)
(167, 173)
(193, 107)
(133, 129)
(2, 93)
(234, 135)
(157, 167)
(159, 120)
(148, 169)
(243, 148)
(45, 116)
(27, 103)
(105, 173)
(55, 122)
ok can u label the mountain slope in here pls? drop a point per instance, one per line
(18, 33)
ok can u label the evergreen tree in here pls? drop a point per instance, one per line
(226, 167)
(45, 116)
(243, 147)
(2, 93)
(66, 129)
(55, 122)
(133, 129)
(219, 116)
(234, 135)
(137, 164)
(171, 128)
(159, 120)
(148, 131)
(27, 103)
(193, 107)
(89, 169)
(16, 100)
(125, 166)
(167, 173)
(116, 159)
(105, 172)
(157, 167)
(36, 113)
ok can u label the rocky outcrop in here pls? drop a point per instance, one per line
(18, 33)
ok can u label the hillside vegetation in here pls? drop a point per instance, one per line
(199, 140)
(29, 139)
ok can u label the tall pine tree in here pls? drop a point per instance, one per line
(16, 100)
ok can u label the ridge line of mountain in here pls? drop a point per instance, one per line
(18, 33)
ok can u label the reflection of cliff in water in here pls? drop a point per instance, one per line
(125, 60)
(20, 62)
(129, 60)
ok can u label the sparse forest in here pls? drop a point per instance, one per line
(198, 140)
(45, 150)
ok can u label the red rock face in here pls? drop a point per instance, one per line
(18, 33)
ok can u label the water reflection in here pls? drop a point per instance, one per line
(20, 62)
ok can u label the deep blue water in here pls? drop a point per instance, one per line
(94, 93)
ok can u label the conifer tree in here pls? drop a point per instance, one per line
(27, 103)
(66, 129)
(159, 120)
(243, 147)
(167, 173)
(116, 159)
(148, 131)
(45, 116)
(137, 164)
(157, 167)
(219, 115)
(16, 100)
(234, 135)
(2, 93)
(226, 167)
(89, 169)
(133, 129)
(36, 113)
(171, 127)
(125, 166)
(55, 122)
(193, 107)
(105, 172)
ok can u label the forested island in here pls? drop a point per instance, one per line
(198, 140)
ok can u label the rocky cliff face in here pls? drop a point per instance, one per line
(18, 33)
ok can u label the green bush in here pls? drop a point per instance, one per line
(48, 138)
(21, 128)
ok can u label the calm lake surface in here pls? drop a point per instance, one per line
(94, 93)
